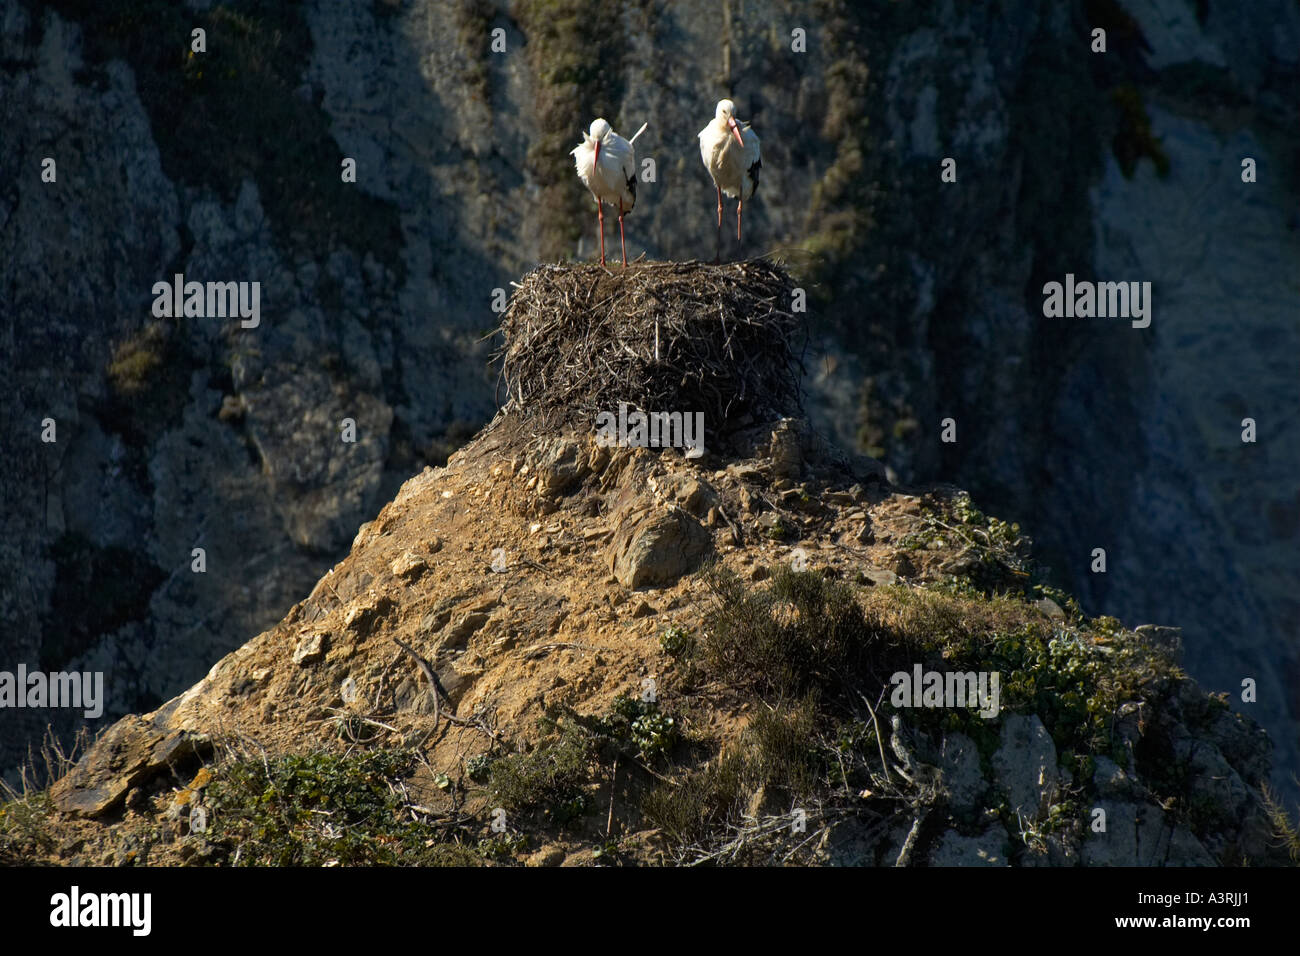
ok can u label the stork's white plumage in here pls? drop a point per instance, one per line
(730, 154)
(606, 164)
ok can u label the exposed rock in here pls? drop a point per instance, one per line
(547, 856)
(983, 849)
(310, 649)
(130, 752)
(642, 609)
(903, 565)
(786, 452)
(1112, 780)
(1168, 638)
(692, 494)
(880, 576)
(962, 776)
(1050, 609)
(362, 614)
(409, 565)
(561, 466)
(1138, 834)
(1025, 763)
(459, 633)
(656, 549)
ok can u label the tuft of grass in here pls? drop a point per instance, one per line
(26, 814)
(775, 756)
(802, 632)
(1284, 831)
(25, 827)
(136, 360)
(148, 377)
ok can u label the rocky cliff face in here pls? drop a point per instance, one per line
(225, 166)
(1099, 434)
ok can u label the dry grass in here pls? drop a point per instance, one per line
(658, 336)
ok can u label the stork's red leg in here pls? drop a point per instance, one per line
(600, 219)
(739, 206)
(717, 255)
(622, 241)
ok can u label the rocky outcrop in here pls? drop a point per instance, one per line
(1014, 799)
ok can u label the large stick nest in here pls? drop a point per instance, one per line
(661, 336)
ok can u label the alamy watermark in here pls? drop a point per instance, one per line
(59, 689)
(1101, 300)
(210, 300)
(922, 688)
(654, 430)
(75, 909)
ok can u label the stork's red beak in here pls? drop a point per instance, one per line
(597, 159)
(735, 131)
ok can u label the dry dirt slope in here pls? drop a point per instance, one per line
(650, 658)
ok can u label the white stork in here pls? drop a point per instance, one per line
(730, 153)
(606, 163)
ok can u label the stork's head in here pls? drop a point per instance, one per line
(600, 128)
(726, 113)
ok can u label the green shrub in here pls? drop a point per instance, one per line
(549, 781)
(318, 808)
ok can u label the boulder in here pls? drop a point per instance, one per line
(656, 549)
(1026, 763)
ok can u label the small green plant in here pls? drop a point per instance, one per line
(477, 767)
(778, 530)
(676, 641)
(638, 724)
(956, 587)
(654, 734)
(502, 847)
(995, 553)
(1065, 601)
